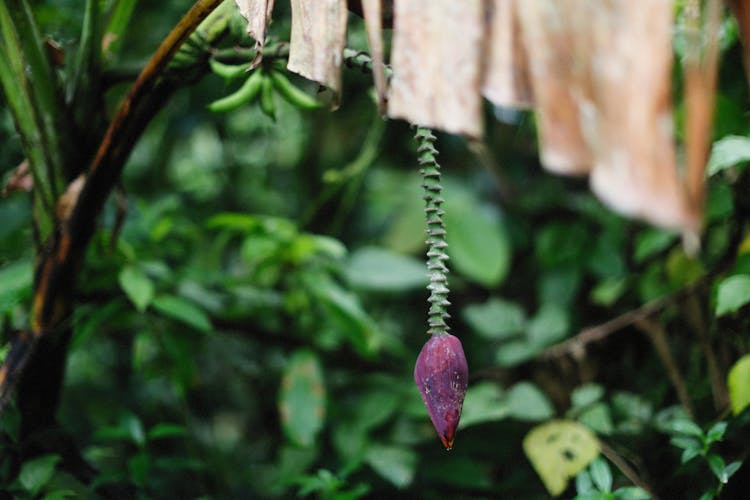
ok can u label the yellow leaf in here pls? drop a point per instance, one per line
(559, 450)
(739, 384)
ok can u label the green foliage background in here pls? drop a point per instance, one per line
(252, 332)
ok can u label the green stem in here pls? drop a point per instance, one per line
(436, 243)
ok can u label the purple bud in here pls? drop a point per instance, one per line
(441, 374)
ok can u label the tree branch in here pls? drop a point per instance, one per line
(576, 346)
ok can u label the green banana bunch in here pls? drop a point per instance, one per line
(263, 83)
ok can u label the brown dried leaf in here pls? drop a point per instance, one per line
(258, 15)
(20, 180)
(701, 67)
(69, 198)
(628, 119)
(372, 10)
(558, 79)
(437, 70)
(318, 37)
(506, 78)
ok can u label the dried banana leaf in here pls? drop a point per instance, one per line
(258, 15)
(437, 68)
(506, 79)
(316, 49)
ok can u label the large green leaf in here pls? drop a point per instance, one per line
(378, 269)
(495, 319)
(559, 450)
(137, 286)
(732, 294)
(182, 310)
(15, 283)
(302, 398)
(37, 472)
(549, 325)
(739, 384)
(527, 402)
(393, 463)
(484, 402)
(477, 240)
(728, 152)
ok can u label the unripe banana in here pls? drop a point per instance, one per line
(227, 71)
(245, 94)
(294, 95)
(267, 104)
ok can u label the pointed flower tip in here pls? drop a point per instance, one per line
(441, 374)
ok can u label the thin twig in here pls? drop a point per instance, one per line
(657, 334)
(627, 471)
(576, 345)
(697, 322)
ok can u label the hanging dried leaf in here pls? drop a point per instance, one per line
(558, 80)
(20, 180)
(506, 79)
(436, 61)
(316, 49)
(628, 121)
(258, 15)
(372, 10)
(701, 66)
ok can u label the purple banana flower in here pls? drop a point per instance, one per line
(441, 373)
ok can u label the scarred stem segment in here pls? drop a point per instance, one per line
(436, 256)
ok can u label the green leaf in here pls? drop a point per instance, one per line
(527, 402)
(184, 311)
(560, 245)
(728, 152)
(738, 381)
(686, 427)
(584, 484)
(137, 286)
(515, 352)
(36, 473)
(139, 467)
(15, 283)
(477, 241)
(601, 474)
(586, 394)
(598, 418)
(345, 309)
(393, 463)
(631, 493)
(382, 270)
(690, 453)
(559, 450)
(549, 325)
(716, 432)
(166, 430)
(302, 398)
(495, 319)
(730, 469)
(732, 294)
(651, 241)
(484, 403)
(718, 467)
(607, 291)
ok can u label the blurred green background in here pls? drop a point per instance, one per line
(253, 331)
